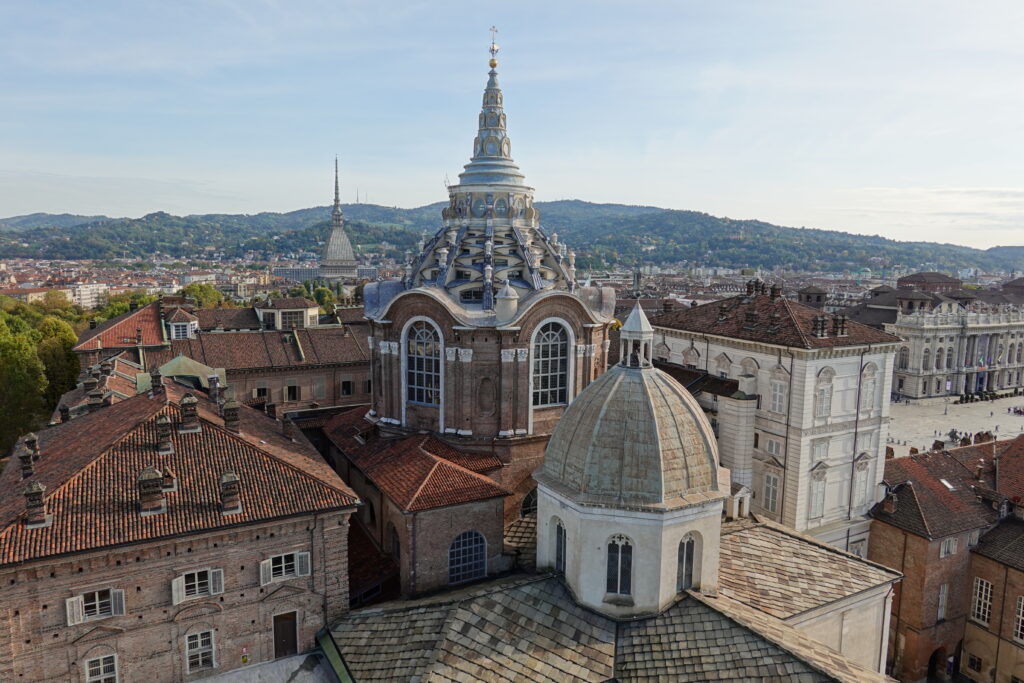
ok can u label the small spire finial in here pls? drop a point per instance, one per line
(337, 195)
(494, 47)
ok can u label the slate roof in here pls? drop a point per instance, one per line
(228, 319)
(779, 572)
(778, 321)
(927, 507)
(414, 472)
(530, 629)
(270, 348)
(1004, 543)
(89, 466)
(119, 332)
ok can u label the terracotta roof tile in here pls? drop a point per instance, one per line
(288, 303)
(120, 332)
(762, 318)
(89, 466)
(228, 319)
(271, 348)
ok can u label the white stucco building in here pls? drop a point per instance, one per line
(804, 425)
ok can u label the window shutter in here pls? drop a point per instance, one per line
(254, 393)
(177, 590)
(266, 572)
(216, 581)
(301, 564)
(75, 610)
(117, 602)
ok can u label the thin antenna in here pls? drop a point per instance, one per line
(446, 183)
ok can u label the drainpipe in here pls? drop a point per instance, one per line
(412, 556)
(789, 420)
(856, 434)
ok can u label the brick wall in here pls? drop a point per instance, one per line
(149, 640)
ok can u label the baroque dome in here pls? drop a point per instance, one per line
(633, 438)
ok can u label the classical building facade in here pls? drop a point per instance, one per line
(805, 429)
(488, 337)
(149, 540)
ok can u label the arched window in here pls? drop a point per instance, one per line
(559, 547)
(684, 570)
(551, 365)
(868, 386)
(620, 566)
(1020, 352)
(529, 506)
(938, 359)
(926, 363)
(904, 361)
(949, 358)
(371, 517)
(823, 393)
(423, 364)
(467, 557)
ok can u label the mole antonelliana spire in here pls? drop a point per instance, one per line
(339, 261)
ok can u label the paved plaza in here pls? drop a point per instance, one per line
(918, 422)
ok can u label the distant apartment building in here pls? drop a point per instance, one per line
(89, 295)
(33, 294)
(148, 540)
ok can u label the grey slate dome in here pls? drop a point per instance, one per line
(634, 437)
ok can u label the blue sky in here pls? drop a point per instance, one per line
(896, 118)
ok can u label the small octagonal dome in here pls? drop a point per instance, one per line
(633, 438)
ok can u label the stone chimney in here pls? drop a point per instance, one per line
(889, 504)
(163, 435)
(668, 305)
(138, 336)
(156, 381)
(776, 291)
(95, 400)
(35, 506)
(170, 480)
(133, 306)
(92, 324)
(32, 443)
(839, 325)
(89, 383)
(150, 487)
(26, 460)
(820, 327)
(288, 428)
(189, 415)
(230, 494)
(231, 415)
(106, 367)
(214, 381)
(65, 413)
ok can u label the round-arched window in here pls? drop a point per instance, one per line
(551, 365)
(423, 364)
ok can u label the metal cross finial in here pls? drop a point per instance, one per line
(494, 45)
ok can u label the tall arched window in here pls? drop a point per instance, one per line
(1020, 352)
(551, 365)
(423, 364)
(949, 358)
(395, 543)
(684, 570)
(938, 359)
(620, 566)
(467, 557)
(529, 506)
(904, 361)
(926, 362)
(559, 547)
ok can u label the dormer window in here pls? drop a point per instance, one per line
(181, 331)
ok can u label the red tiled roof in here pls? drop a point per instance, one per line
(778, 321)
(351, 315)
(928, 507)
(89, 467)
(406, 470)
(271, 348)
(120, 332)
(180, 315)
(289, 303)
(1010, 453)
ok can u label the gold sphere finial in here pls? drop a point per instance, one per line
(493, 62)
(494, 48)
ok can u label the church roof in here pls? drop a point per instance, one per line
(530, 628)
(633, 437)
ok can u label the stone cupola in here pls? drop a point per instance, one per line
(631, 490)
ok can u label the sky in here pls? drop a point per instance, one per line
(899, 118)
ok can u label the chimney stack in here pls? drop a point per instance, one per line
(92, 324)
(133, 305)
(668, 305)
(89, 383)
(156, 381)
(95, 400)
(288, 428)
(820, 326)
(170, 481)
(35, 506)
(889, 504)
(231, 415)
(65, 413)
(776, 291)
(189, 415)
(150, 486)
(163, 435)
(214, 381)
(138, 336)
(230, 494)
(26, 460)
(32, 442)
(106, 367)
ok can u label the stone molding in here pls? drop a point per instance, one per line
(465, 355)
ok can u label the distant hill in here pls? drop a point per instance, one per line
(601, 234)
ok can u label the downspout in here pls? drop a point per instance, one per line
(789, 420)
(897, 655)
(856, 434)
(412, 556)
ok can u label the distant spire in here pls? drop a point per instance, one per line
(336, 215)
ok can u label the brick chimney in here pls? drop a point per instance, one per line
(288, 428)
(65, 413)
(839, 325)
(89, 383)
(170, 480)
(106, 367)
(230, 494)
(776, 291)
(889, 504)
(138, 336)
(668, 305)
(92, 324)
(189, 415)
(150, 487)
(26, 460)
(820, 328)
(32, 443)
(231, 415)
(163, 435)
(35, 506)
(156, 381)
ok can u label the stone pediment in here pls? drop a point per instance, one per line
(197, 610)
(284, 592)
(99, 633)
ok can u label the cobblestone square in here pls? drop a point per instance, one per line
(920, 422)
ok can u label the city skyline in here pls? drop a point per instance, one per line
(897, 120)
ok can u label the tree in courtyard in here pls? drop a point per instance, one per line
(206, 295)
(324, 297)
(23, 379)
(60, 363)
